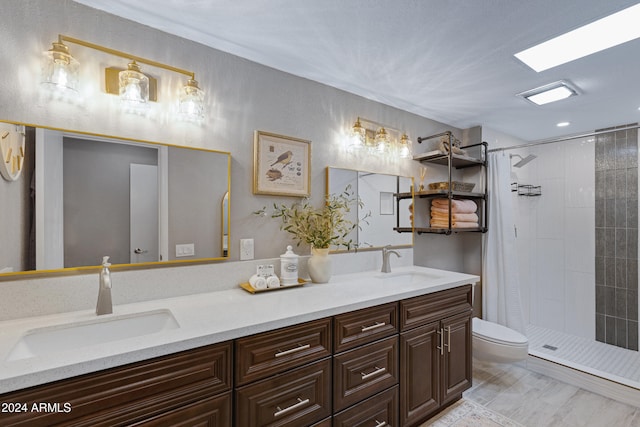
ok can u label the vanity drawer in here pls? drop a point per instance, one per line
(131, 393)
(364, 326)
(379, 410)
(299, 397)
(269, 353)
(364, 371)
(425, 309)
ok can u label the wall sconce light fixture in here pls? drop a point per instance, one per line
(378, 139)
(60, 71)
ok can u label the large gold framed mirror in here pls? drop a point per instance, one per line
(82, 196)
(376, 192)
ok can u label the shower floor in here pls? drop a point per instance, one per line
(596, 358)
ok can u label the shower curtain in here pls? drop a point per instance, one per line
(501, 291)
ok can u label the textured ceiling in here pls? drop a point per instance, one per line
(450, 61)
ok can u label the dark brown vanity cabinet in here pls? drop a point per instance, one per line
(192, 387)
(435, 352)
(394, 364)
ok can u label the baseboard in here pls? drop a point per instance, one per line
(593, 383)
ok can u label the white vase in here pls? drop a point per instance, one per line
(319, 265)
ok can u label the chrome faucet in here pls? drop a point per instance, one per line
(386, 266)
(104, 305)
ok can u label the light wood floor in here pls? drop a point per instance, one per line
(535, 400)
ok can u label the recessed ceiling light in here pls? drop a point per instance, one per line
(599, 35)
(563, 124)
(549, 93)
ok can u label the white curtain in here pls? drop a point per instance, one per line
(500, 276)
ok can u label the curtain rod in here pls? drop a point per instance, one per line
(566, 138)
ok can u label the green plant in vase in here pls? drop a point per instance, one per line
(321, 228)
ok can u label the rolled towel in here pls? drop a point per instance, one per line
(258, 282)
(273, 282)
(468, 217)
(459, 206)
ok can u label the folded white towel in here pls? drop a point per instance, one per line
(258, 282)
(273, 282)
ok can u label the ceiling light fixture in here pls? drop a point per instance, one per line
(60, 70)
(597, 36)
(563, 124)
(550, 93)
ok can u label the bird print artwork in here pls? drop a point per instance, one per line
(284, 159)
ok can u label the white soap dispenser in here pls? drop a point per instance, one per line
(289, 267)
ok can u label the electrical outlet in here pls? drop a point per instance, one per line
(246, 249)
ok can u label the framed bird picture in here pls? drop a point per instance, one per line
(281, 165)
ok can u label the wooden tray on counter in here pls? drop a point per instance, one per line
(247, 287)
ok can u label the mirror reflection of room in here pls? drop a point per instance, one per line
(380, 209)
(82, 196)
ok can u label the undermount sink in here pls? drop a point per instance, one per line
(409, 276)
(44, 341)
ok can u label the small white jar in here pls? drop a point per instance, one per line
(288, 267)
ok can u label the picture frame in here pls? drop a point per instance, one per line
(281, 165)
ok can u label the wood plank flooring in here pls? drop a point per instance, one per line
(535, 400)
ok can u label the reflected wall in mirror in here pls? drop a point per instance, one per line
(83, 196)
(376, 192)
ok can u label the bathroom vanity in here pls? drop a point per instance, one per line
(366, 348)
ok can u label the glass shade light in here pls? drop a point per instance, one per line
(134, 86)
(404, 148)
(358, 136)
(382, 141)
(191, 102)
(60, 69)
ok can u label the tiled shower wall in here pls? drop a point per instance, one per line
(616, 204)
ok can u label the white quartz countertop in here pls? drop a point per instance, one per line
(209, 318)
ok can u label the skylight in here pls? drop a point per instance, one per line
(599, 35)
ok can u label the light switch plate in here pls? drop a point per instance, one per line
(187, 249)
(246, 249)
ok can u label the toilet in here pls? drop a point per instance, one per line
(496, 343)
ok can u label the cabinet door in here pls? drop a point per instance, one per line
(456, 372)
(419, 373)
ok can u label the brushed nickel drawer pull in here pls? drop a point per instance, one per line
(374, 326)
(380, 423)
(377, 371)
(441, 346)
(293, 350)
(300, 403)
(448, 344)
